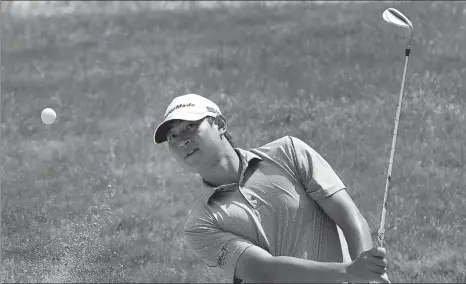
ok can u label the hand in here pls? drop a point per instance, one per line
(370, 266)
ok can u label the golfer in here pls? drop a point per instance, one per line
(276, 213)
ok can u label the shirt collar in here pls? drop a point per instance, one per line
(246, 158)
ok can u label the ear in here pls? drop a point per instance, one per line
(221, 122)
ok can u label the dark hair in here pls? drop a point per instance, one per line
(227, 135)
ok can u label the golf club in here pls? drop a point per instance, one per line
(395, 17)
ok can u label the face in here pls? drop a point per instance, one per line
(196, 145)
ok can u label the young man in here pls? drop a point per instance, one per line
(277, 213)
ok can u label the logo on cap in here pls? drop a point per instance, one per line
(212, 110)
(177, 107)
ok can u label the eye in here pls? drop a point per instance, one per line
(191, 126)
(171, 137)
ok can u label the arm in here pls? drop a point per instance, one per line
(342, 210)
(258, 266)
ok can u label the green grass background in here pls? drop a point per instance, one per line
(91, 198)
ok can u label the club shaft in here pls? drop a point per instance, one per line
(381, 232)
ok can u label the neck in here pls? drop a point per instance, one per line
(225, 170)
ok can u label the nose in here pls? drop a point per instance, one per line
(184, 142)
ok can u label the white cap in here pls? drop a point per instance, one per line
(190, 107)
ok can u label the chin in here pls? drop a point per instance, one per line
(192, 167)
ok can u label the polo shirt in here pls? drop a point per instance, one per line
(273, 206)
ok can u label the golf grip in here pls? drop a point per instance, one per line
(381, 232)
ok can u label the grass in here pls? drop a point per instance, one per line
(91, 198)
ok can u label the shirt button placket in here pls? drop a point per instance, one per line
(249, 198)
(253, 201)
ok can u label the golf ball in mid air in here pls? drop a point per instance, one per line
(48, 116)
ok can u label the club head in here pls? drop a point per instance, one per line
(395, 17)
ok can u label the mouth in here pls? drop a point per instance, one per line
(191, 152)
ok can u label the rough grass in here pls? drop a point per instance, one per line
(91, 198)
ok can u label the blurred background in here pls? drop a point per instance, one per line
(91, 198)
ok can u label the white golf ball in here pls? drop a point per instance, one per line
(48, 116)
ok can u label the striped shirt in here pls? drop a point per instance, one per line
(273, 206)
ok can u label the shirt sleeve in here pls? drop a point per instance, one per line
(214, 246)
(317, 176)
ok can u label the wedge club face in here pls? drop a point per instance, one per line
(395, 17)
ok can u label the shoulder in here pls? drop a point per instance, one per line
(274, 145)
(286, 144)
(285, 140)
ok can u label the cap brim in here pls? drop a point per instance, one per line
(160, 133)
